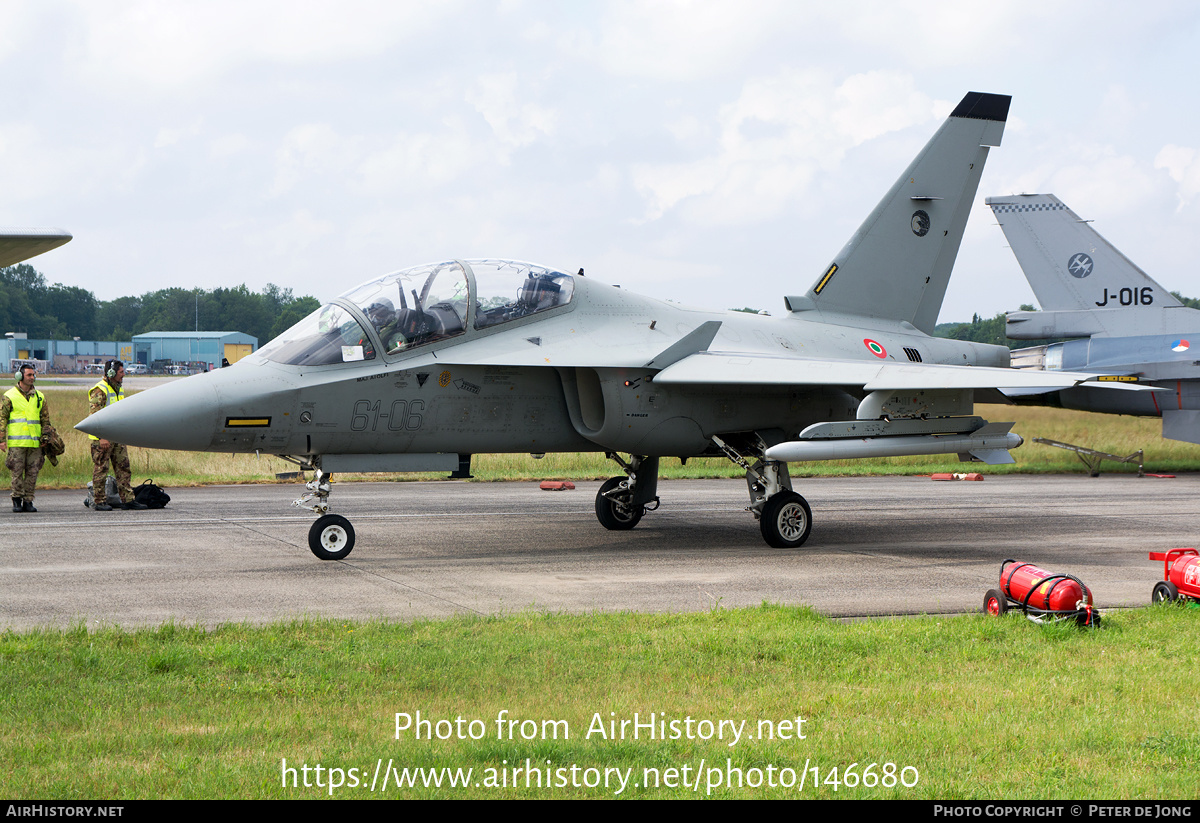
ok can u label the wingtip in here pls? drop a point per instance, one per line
(978, 105)
(40, 232)
(19, 244)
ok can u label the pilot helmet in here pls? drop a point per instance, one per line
(381, 311)
(539, 293)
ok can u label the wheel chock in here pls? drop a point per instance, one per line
(557, 485)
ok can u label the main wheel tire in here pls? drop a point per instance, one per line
(786, 520)
(995, 603)
(1164, 592)
(610, 515)
(331, 537)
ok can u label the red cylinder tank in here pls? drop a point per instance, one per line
(1181, 568)
(1054, 592)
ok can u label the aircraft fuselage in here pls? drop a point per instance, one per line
(441, 399)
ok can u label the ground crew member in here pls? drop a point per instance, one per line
(23, 413)
(106, 392)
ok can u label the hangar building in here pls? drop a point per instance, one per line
(195, 347)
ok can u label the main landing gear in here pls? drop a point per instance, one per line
(331, 536)
(784, 517)
(622, 501)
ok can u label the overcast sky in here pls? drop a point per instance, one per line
(713, 153)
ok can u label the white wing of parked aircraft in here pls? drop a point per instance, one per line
(17, 245)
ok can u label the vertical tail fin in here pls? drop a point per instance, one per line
(898, 263)
(1068, 265)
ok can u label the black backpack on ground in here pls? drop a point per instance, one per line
(151, 495)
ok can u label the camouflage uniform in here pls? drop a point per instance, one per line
(24, 463)
(114, 453)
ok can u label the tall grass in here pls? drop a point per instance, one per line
(1108, 433)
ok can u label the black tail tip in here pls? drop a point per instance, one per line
(979, 105)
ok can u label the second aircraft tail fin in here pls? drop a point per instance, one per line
(1068, 264)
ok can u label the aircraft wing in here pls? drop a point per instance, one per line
(755, 369)
(21, 244)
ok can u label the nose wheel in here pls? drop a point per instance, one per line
(331, 537)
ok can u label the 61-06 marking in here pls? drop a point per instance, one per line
(405, 415)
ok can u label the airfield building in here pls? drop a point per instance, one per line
(198, 351)
(194, 347)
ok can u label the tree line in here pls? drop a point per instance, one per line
(985, 330)
(58, 312)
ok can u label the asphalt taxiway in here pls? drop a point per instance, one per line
(880, 545)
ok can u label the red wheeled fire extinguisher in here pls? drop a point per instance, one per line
(1181, 575)
(1041, 595)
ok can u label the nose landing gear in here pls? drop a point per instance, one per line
(331, 536)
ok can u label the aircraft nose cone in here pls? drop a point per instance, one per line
(180, 415)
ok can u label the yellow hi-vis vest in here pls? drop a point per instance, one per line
(111, 396)
(25, 421)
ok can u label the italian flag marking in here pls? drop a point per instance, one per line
(876, 349)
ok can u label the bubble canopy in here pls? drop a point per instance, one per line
(420, 306)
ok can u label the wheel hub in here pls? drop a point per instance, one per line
(333, 538)
(791, 521)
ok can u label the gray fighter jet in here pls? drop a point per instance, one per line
(1133, 329)
(420, 369)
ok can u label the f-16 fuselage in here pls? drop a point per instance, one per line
(1135, 330)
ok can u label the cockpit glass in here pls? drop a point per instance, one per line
(506, 290)
(419, 306)
(415, 306)
(328, 335)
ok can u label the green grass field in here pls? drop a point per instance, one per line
(971, 707)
